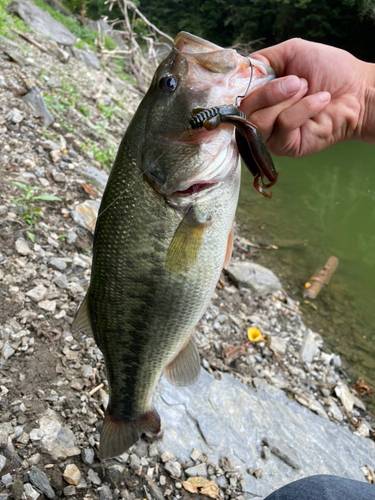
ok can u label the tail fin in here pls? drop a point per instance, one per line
(119, 435)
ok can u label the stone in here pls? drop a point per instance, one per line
(197, 470)
(72, 474)
(92, 174)
(258, 279)
(61, 281)
(93, 476)
(297, 372)
(30, 493)
(6, 479)
(88, 455)
(363, 429)
(22, 247)
(195, 454)
(58, 176)
(69, 491)
(57, 440)
(277, 345)
(334, 411)
(153, 450)
(345, 396)
(283, 451)
(40, 481)
(35, 101)
(135, 461)
(7, 351)
(90, 60)
(36, 435)
(34, 459)
(42, 22)
(37, 293)
(3, 461)
(105, 493)
(14, 116)
(309, 348)
(48, 305)
(198, 416)
(167, 457)
(58, 264)
(174, 469)
(16, 488)
(266, 453)
(86, 213)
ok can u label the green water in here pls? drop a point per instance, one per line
(324, 205)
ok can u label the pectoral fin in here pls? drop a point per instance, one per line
(185, 368)
(228, 254)
(186, 242)
(82, 320)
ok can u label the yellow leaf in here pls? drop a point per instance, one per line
(307, 285)
(201, 485)
(255, 335)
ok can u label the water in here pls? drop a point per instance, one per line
(324, 205)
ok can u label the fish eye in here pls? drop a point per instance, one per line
(168, 84)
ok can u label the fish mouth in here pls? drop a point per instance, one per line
(194, 189)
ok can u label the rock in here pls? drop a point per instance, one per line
(167, 457)
(358, 403)
(40, 481)
(58, 264)
(97, 177)
(34, 459)
(93, 476)
(72, 474)
(345, 396)
(42, 22)
(30, 493)
(90, 60)
(16, 489)
(35, 100)
(7, 351)
(86, 213)
(283, 451)
(135, 461)
(37, 293)
(334, 410)
(226, 464)
(48, 305)
(198, 417)
(22, 247)
(312, 404)
(297, 372)
(174, 469)
(14, 116)
(277, 344)
(195, 454)
(69, 491)
(58, 176)
(258, 279)
(197, 470)
(36, 435)
(58, 441)
(88, 455)
(309, 348)
(3, 461)
(266, 453)
(6, 479)
(105, 493)
(363, 429)
(61, 281)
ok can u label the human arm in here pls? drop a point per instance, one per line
(333, 100)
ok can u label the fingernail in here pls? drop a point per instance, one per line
(304, 84)
(324, 96)
(290, 85)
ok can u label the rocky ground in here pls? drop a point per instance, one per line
(52, 378)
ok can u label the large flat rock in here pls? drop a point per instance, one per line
(42, 22)
(226, 418)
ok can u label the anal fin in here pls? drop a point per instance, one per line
(82, 320)
(185, 368)
(118, 435)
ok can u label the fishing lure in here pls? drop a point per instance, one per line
(250, 142)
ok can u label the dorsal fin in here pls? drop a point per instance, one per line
(185, 368)
(82, 320)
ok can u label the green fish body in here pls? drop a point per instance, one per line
(163, 233)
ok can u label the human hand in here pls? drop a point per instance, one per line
(324, 96)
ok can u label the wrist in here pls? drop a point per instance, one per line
(367, 132)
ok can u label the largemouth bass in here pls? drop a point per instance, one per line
(163, 234)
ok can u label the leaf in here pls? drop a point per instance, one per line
(201, 485)
(31, 236)
(19, 184)
(47, 197)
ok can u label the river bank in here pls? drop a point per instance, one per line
(285, 400)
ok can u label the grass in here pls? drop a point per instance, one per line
(8, 21)
(105, 156)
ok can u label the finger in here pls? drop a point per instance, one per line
(260, 58)
(274, 92)
(279, 56)
(286, 136)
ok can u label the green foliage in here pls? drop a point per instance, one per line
(347, 24)
(106, 111)
(105, 156)
(8, 21)
(109, 44)
(84, 110)
(30, 212)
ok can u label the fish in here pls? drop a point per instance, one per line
(163, 234)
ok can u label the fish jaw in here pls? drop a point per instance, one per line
(207, 76)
